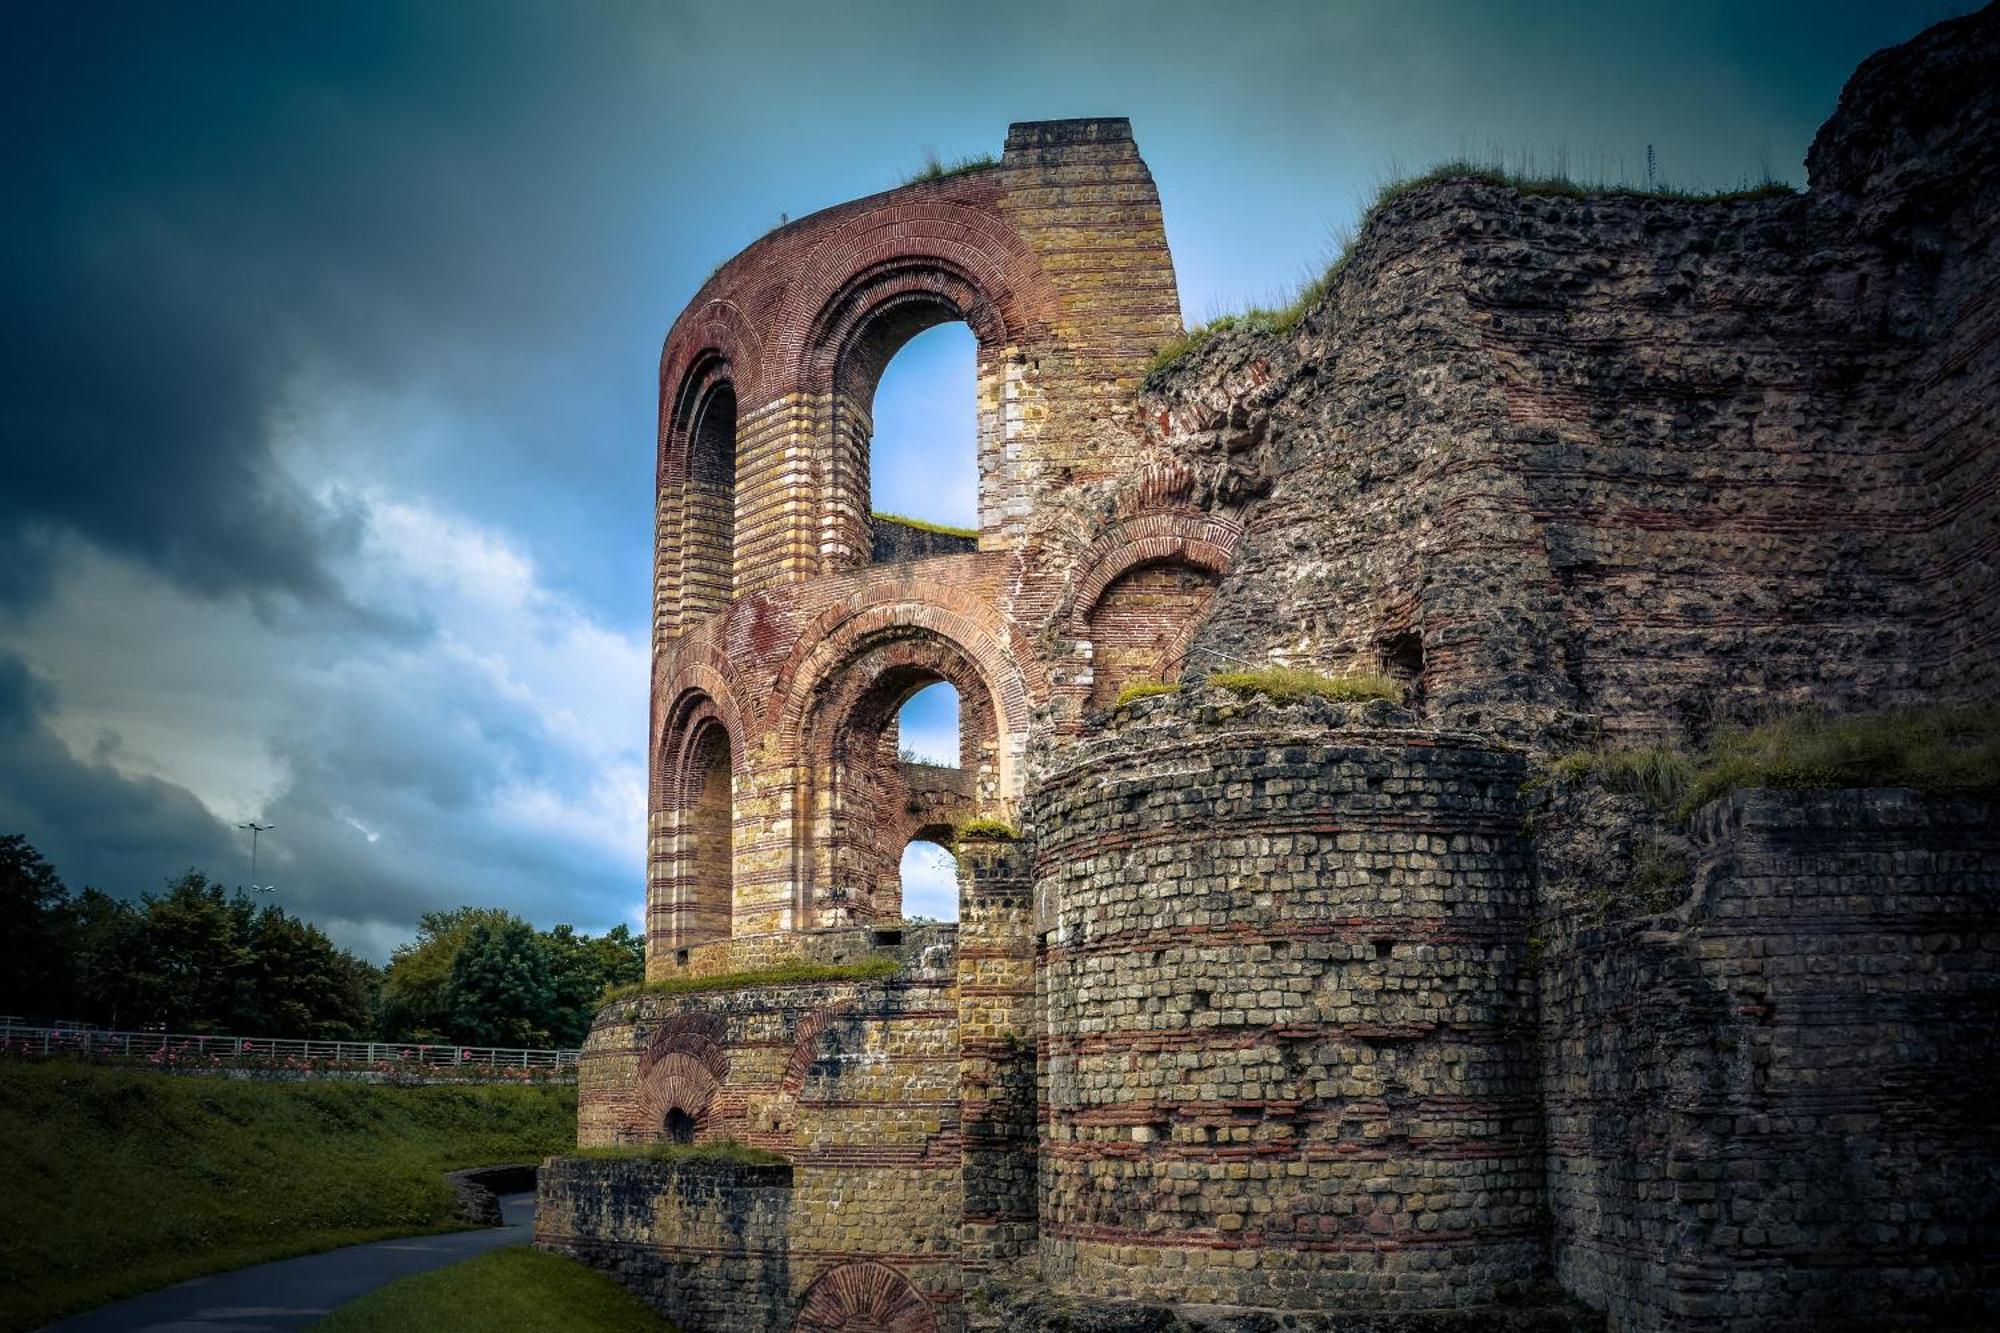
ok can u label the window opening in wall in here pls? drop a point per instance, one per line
(927, 727)
(923, 462)
(709, 550)
(711, 828)
(930, 882)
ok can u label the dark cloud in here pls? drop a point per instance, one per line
(97, 826)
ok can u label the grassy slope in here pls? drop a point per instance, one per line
(507, 1291)
(120, 1181)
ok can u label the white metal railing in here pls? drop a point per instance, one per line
(56, 1040)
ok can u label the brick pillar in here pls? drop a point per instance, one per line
(996, 1025)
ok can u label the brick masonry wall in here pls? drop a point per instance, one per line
(1774, 1102)
(1286, 1008)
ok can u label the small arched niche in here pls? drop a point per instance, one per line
(1138, 629)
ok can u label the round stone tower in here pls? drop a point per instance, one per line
(1287, 1000)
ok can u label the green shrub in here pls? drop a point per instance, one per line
(119, 1181)
(722, 1150)
(1143, 689)
(1659, 773)
(1298, 683)
(936, 168)
(792, 972)
(1283, 318)
(1929, 749)
(515, 1290)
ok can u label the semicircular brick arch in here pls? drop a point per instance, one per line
(864, 1297)
(911, 235)
(676, 1082)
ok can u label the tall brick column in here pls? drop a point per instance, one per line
(996, 1024)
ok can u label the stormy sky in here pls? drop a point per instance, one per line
(332, 333)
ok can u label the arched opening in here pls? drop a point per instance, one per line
(680, 1125)
(711, 834)
(927, 727)
(877, 734)
(708, 520)
(923, 452)
(929, 874)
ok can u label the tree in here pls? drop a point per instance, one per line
(499, 991)
(413, 1005)
(37, 934)
(196, 943)
(299, 985)
(580, 968)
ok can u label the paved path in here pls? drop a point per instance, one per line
(292, 1293)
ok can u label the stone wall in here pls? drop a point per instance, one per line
(894, 541)
(708, 1241)
(1286, 1005)
(1636, 464)
(1774, 1101)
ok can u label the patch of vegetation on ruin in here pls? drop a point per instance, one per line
(727, 1152)
(1292, 683)
(1143, 689)
(792, 972)
(984, 828)
(120, 1181)
(1284, 317)
(925, 525)
(515, 1290)
(1932, 750)
(936, 168)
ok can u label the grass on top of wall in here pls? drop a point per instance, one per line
(936, 168)
(118, 1181)
(515, 1290)
(727, 1151)
(1288, 683)
(1143, 689)
(1935, 750)
(924, 525)
(1523, 178)
(792, 972)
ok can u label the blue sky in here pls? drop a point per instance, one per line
(334, 333)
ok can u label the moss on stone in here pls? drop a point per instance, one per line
(1288, 683)
(1143, 689)
(985, 828)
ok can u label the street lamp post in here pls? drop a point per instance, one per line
(256, 828)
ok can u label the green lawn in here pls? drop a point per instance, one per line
(119, 1181)
(505, 1291)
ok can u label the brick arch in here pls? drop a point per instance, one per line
(909, 235)
(714, 330)
(864, 1297)
(691, 839)
(675, 1082)
(947, 614)
(1203, 541)
(805, 1044)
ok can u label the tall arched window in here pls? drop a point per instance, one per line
(708, 524)
(924, 456)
